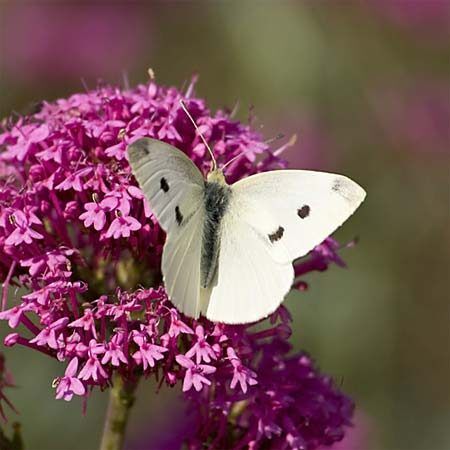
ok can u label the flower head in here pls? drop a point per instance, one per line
(77, 233)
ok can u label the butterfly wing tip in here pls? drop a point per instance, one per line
(350, 191)
(138, 149)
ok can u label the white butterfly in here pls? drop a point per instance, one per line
(229, 249)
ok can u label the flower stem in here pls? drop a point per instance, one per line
(121, 399)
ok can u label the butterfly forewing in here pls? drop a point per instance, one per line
(295, 210)
(171, 182)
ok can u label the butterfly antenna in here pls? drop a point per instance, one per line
(183, 105)
(236, 157)
(276, 138)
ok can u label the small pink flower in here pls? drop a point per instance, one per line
(49, 335)
(75, 180)
(114, 352)
(14, 315)
(122, 226)
(201, 349)
(93, 368)
(194, 373)
(241, 374)
(48, 261)
(86, 322)
(68, 385)
(23, 233)
(147, 353)
(177, 326)
(94, 215)
(117, 200)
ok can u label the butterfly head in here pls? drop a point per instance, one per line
(216, 176)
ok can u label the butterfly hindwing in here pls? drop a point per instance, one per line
(248, 284)
(181, 265)
(174, 188)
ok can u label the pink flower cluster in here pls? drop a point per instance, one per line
(77, 233)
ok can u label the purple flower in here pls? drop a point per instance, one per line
(114, 351)
(95, 302)
(68, 385)
(245, 377)
(15, 314)
(147, 353)
(86, 322)
(123, 226)
(94, 215)
(49, 335)
(75, 180)
(201, 349)
(194, 375)
(23, 233)
(93, 369)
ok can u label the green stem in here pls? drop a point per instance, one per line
(121, 399)
(15, 443)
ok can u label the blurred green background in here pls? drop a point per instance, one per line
(365, 86)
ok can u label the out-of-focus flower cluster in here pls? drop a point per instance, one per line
(77, 233)
(415, 117)
(95, 27)
(426, 18)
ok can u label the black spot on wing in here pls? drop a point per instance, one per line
(348, 190)
(178, 215)
(337, 185)
(164, 184)
(277, 235)
(303, 212)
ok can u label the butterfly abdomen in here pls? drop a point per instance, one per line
(216, 200)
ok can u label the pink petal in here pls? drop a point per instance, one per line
(77, 386)
(72, 367)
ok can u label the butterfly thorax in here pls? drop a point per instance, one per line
(216, 176)
(216, 200)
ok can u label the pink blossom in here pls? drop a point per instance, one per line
(86, 322)
(23, 233)
(177, 326)
(195, 373)
(75, 180)
(51, 261)
(123, 226)
(93, 369)
(68, 385)
(147, 353)
(201, 349)
(245, 377)
(49, 335)
(114, 351)
(15, 314)
(94, 215)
